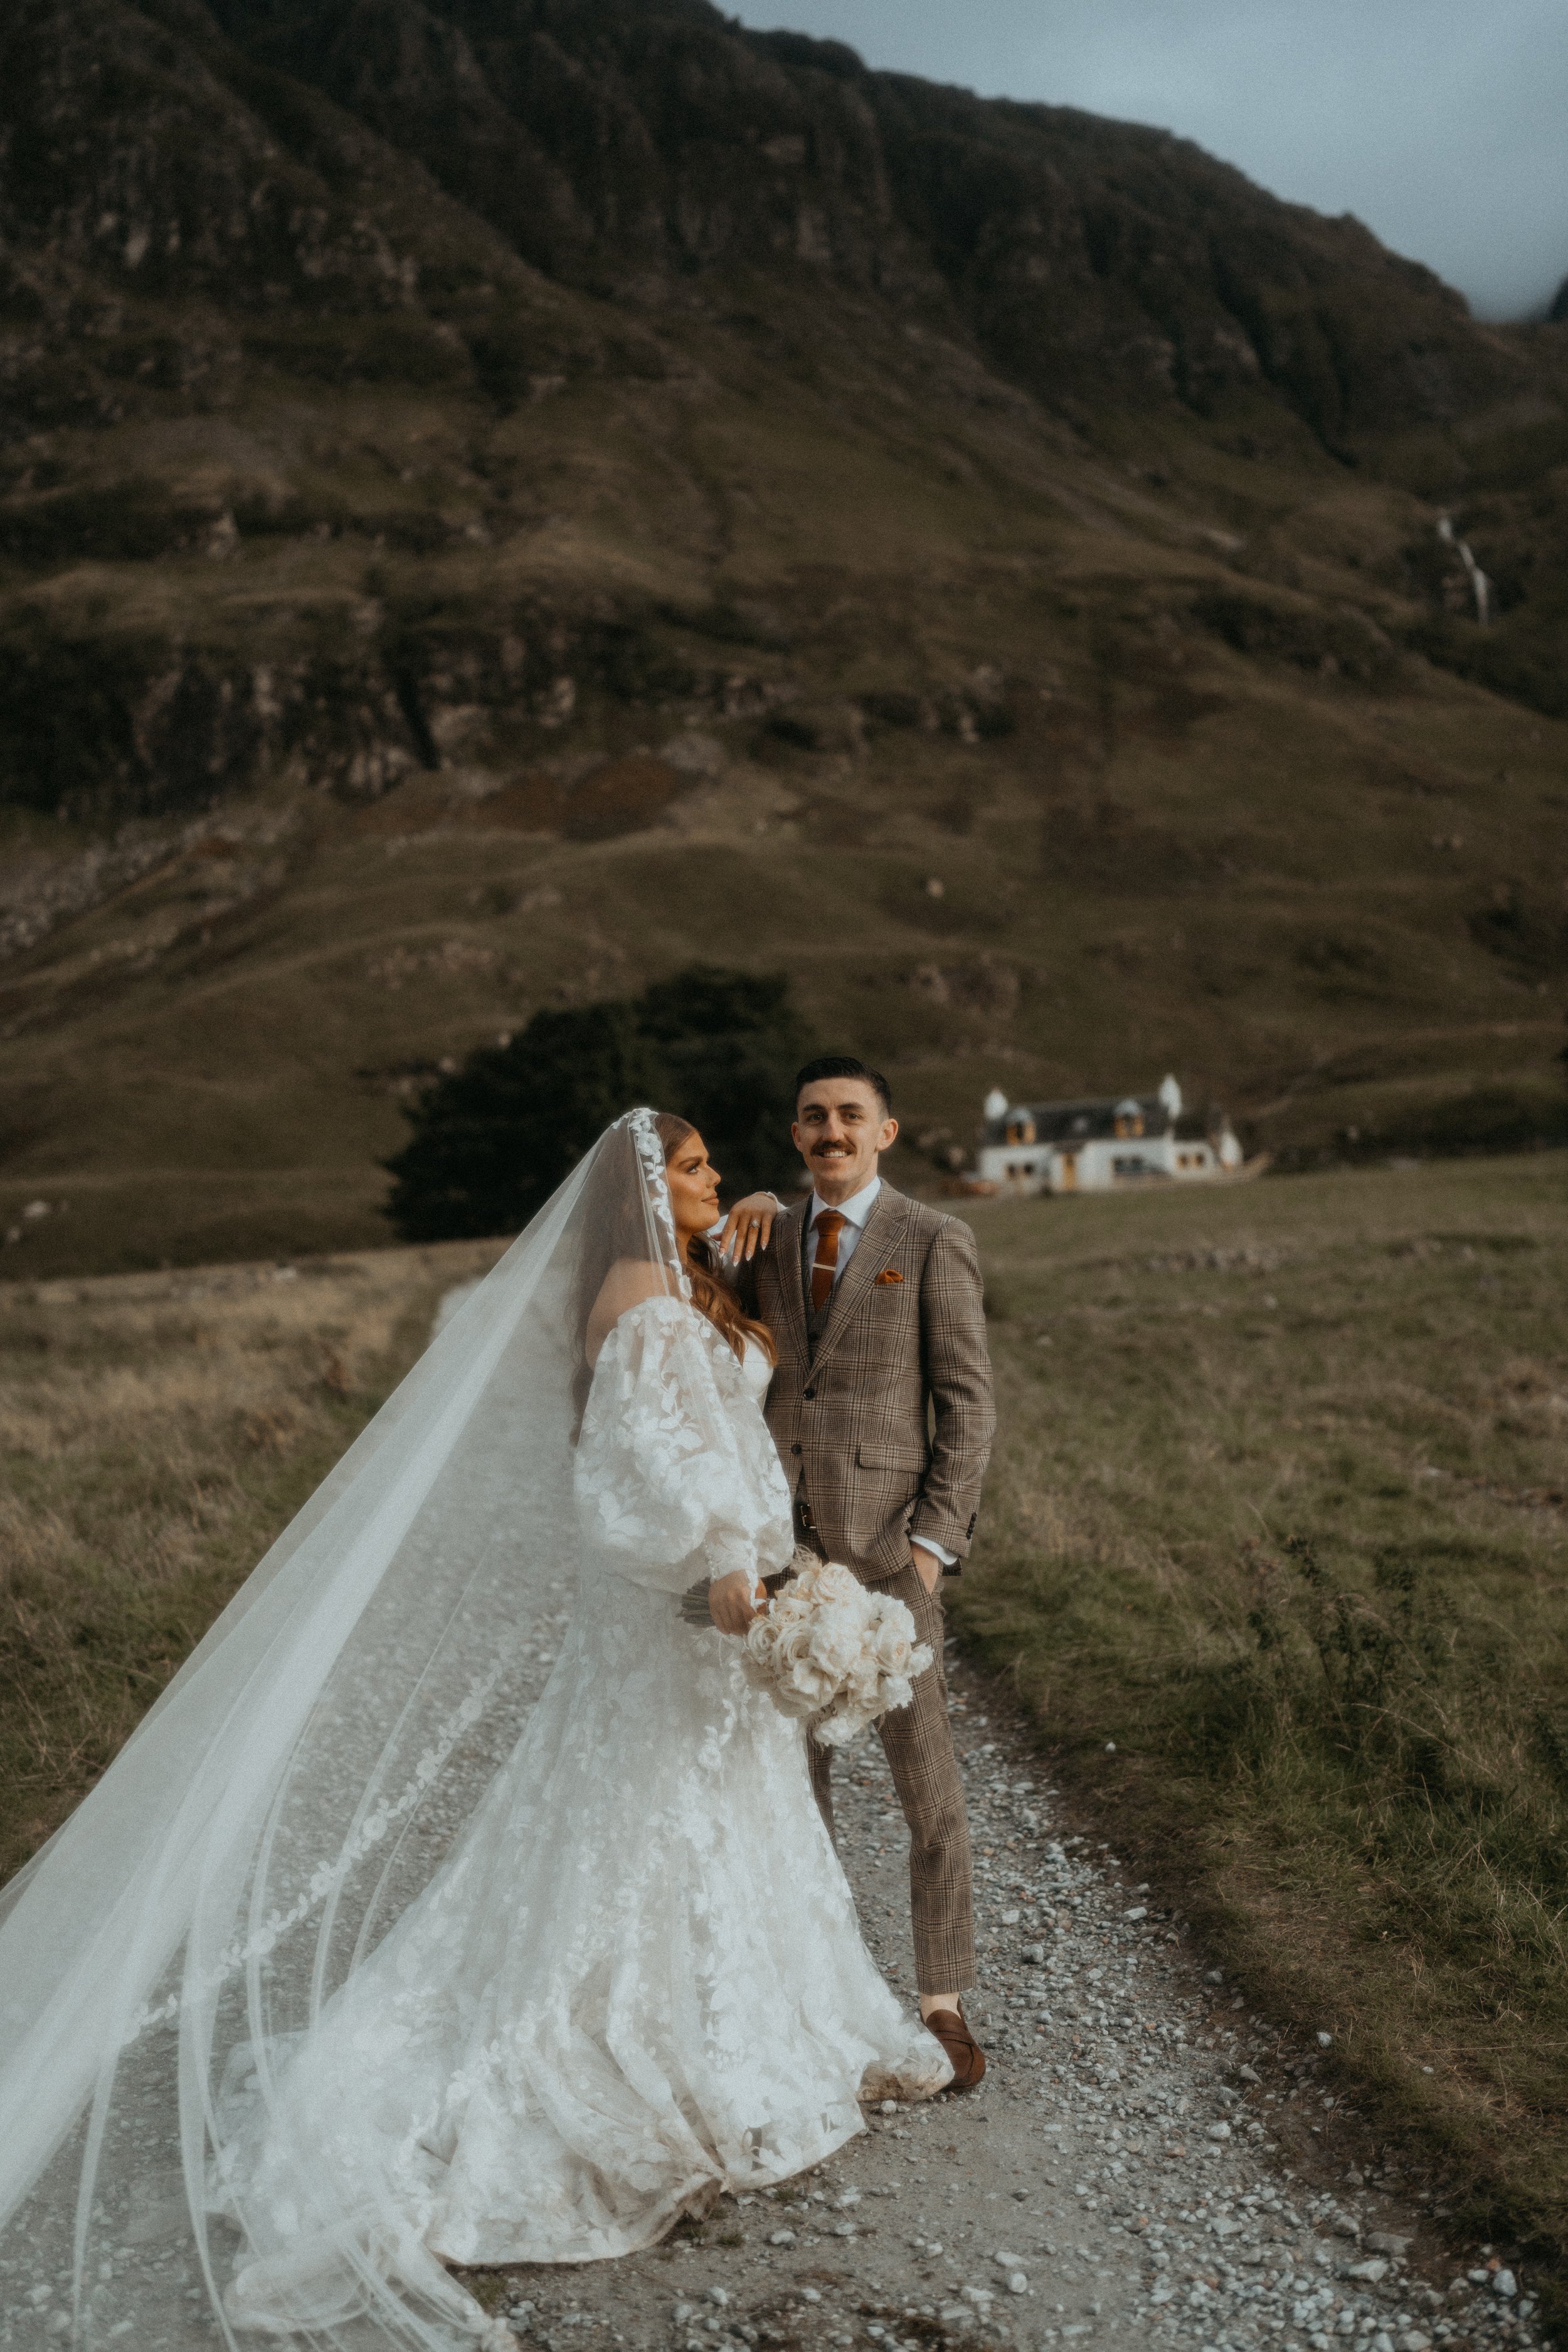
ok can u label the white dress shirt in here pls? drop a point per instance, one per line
(854, 1212)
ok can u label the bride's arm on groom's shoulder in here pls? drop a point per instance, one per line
(741, 1242)
(747, 1229)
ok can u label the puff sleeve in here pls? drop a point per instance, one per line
(676, 1476)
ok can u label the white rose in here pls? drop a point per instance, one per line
(796, 1645)
(835, 1730)
(892, 1648)
(835, 1642)
(802, 1674)
(831, 1582)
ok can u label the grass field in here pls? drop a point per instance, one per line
(156, 1431)
(1279, 1508)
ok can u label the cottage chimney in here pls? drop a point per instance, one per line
(996, 1104)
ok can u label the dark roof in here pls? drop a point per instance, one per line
(1082, 1122)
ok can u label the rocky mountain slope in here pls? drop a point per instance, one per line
(499, 497)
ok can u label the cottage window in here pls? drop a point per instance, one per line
(1020, 1127)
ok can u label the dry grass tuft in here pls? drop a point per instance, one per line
(156, 1431)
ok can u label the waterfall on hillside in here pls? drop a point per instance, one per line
(1481, 586)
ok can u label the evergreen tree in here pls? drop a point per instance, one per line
(493, 1141)
(729, 1044)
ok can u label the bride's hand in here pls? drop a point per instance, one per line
(748, 1226)
(733, 1600)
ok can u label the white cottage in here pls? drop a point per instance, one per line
(1097, 1146)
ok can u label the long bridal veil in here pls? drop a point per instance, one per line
(292, 1791)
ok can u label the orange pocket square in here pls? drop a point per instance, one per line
(888, 1275)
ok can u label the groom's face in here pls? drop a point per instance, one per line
(840, 1129)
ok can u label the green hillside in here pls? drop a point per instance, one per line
(497, 503)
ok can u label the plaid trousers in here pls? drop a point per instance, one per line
(918, 1742)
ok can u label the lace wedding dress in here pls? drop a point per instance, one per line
(407, 1932)
(640, 1978)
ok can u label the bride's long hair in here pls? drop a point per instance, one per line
(711, 1294)
(615, 1229)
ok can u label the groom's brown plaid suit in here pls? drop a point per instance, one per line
(881, 1411)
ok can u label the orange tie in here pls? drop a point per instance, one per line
(824, 1265)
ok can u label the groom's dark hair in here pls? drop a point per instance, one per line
(844, 1065)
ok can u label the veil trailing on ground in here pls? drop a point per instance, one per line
(292, 1791)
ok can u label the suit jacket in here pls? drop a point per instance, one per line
(888, 1429)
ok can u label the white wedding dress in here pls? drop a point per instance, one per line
(638, 1976)
(390, 1943)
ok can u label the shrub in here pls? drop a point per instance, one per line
(1520, 656)
(492, 1140)
(1525, 928)
(1342, 643)
(1487, 1118)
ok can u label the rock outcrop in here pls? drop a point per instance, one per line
(269, 207)
(497, 496)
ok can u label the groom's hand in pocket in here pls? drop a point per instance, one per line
(926, 1565)
(732, 1601)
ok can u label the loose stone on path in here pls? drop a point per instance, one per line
(1147, 2167)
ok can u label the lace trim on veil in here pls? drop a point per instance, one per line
(330, 1878)
(650, 1153)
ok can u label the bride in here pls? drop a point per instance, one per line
(370, 1957)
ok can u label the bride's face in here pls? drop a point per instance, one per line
(693, 1187)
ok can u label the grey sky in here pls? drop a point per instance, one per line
(1441, 123)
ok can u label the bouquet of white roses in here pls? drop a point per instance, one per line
(830, 1648)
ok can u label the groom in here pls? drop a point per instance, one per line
(881, 1411)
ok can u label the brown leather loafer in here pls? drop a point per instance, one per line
(967, 2056)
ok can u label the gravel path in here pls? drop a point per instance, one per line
(1146, 2163)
